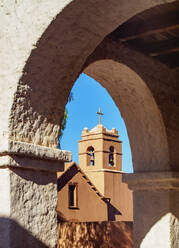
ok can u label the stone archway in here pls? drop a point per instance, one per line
(45, 46)
(47, 57)
(140, 112)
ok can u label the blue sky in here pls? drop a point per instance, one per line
(89, 95)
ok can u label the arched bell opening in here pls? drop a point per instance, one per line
(90, 156)
(111, 156)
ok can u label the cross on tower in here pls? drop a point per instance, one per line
(100, 114)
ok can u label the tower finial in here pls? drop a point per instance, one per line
(100, 114)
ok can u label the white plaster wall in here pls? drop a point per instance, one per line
(159, 234)
(4, 208)
(4, 193)
(174, 232)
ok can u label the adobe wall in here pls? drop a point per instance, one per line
(121, 196)
(95, 234)
(109, 183)
(90, 206)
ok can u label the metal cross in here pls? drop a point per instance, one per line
(100, 114)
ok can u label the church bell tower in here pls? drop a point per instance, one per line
(100, 155)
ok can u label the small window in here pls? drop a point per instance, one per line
(72, 195)
(90, 156)
(111, 156)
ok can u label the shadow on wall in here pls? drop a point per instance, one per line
(112, 212)
(12, 235)
(42, 178)
(95, 234)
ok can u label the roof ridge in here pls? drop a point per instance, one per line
(87, 179)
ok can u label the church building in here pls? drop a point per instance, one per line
(94, 191)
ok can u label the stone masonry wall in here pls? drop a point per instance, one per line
(33, 200)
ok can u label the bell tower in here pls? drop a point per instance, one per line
(100, 152)
(100, 157)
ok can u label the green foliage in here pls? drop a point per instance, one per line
(64, 121)
(65, 117)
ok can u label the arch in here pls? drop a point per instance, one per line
(111, 156)
(139, 110)
(54, 50)
(90, 156)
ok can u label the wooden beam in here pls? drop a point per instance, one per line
(150, 32)
(156, 46)
(171, 59)
(172, 50)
